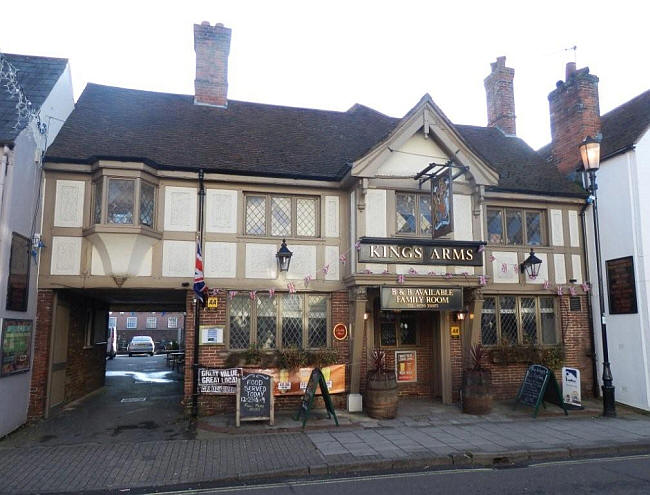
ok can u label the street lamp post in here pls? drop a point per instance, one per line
(590, 154)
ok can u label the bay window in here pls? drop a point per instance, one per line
(124, 201)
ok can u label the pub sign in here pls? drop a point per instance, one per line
(420, 252)
(414, 298)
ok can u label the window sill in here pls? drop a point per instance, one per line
(122, 229)
(278, 239)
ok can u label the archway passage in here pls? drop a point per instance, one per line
(94, 391)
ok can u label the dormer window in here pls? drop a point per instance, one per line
(124, 201)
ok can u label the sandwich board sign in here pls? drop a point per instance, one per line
(571, 387)
(255, 398)
(539, 386)
(316, 379)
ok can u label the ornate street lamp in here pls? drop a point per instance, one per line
(284, 256)
(531, 265)
(590, 154)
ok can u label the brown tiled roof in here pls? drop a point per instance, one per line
(169, 131)
(37, 76)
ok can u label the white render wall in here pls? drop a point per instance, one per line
(623, 195)
(16, 215)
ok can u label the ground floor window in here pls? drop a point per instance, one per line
(518, 320)
(282, 321)
(397, 329)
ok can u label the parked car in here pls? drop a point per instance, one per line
(141, 345)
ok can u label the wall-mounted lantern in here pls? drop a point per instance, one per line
(284, 256)
(460, 315)
(531, 265)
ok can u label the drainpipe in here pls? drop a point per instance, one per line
(4, 163)
(197, 311)
(592, 336)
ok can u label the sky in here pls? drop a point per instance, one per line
(332, 54)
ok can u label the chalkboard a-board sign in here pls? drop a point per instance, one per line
(539, 386)
(255, 398)
(316, 379)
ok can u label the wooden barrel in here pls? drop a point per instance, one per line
(477, 397)
(381, 395)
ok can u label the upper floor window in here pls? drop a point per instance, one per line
(132, 322)
(284, 321)
(518, 320)
(413, 214)
(112, 321)
(516, 226)
(172, 322)
(152, 322)
(282, 216)
(124, 201)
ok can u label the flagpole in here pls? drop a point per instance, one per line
(197, 310)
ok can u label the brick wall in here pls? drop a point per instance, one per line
(575, 114)
(575, 332)
(212, 45)
(41, 360)
(215, 356)
(85, 367)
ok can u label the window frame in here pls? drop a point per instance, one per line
(148, 322)
(268, 199)
(398, 337)
(114, 318)
(279, 297)
(519, 319)
(169, 320)
(544, 238)
(129, 319)
(103, 182)
(418, 227)
(27, 244)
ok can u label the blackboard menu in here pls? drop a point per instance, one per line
(621, 286)
(533, 385)
(218, 381)
(255, 398)
(316, 379)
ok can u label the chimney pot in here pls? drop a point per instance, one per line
(570, 69)
(500, 95)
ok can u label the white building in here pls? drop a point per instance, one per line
(46, 83)
(624, 215)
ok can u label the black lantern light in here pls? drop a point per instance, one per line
(531, 265)
(284, 256)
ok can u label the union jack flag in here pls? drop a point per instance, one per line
(199, 283)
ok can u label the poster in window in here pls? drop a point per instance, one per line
(621, 286)
(442, 204)
(406, 366)
(18, 280)
(16, 346)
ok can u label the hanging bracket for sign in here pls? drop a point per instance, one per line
(442, 181)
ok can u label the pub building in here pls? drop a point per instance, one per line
(414, 235)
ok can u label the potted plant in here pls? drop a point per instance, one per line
(477, 381)
(381, 389)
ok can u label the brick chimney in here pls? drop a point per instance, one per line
(501, 97)
(212, 45)
(575, 114)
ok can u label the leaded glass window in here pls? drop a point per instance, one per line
(516, 226)
(518, 320)
(97, 199)
(267, 309)
(282, 321)
(240, 322)
(147, 200)
(292, 320)
(255, 215)
(282, 216)
(120, 201)
(413, 214)
(317, 321)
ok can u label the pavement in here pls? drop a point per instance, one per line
(213, 452)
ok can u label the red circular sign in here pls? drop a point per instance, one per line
(340, 331)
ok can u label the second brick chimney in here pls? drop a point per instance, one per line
(500, 94)
(212, 45)
(575, 114)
